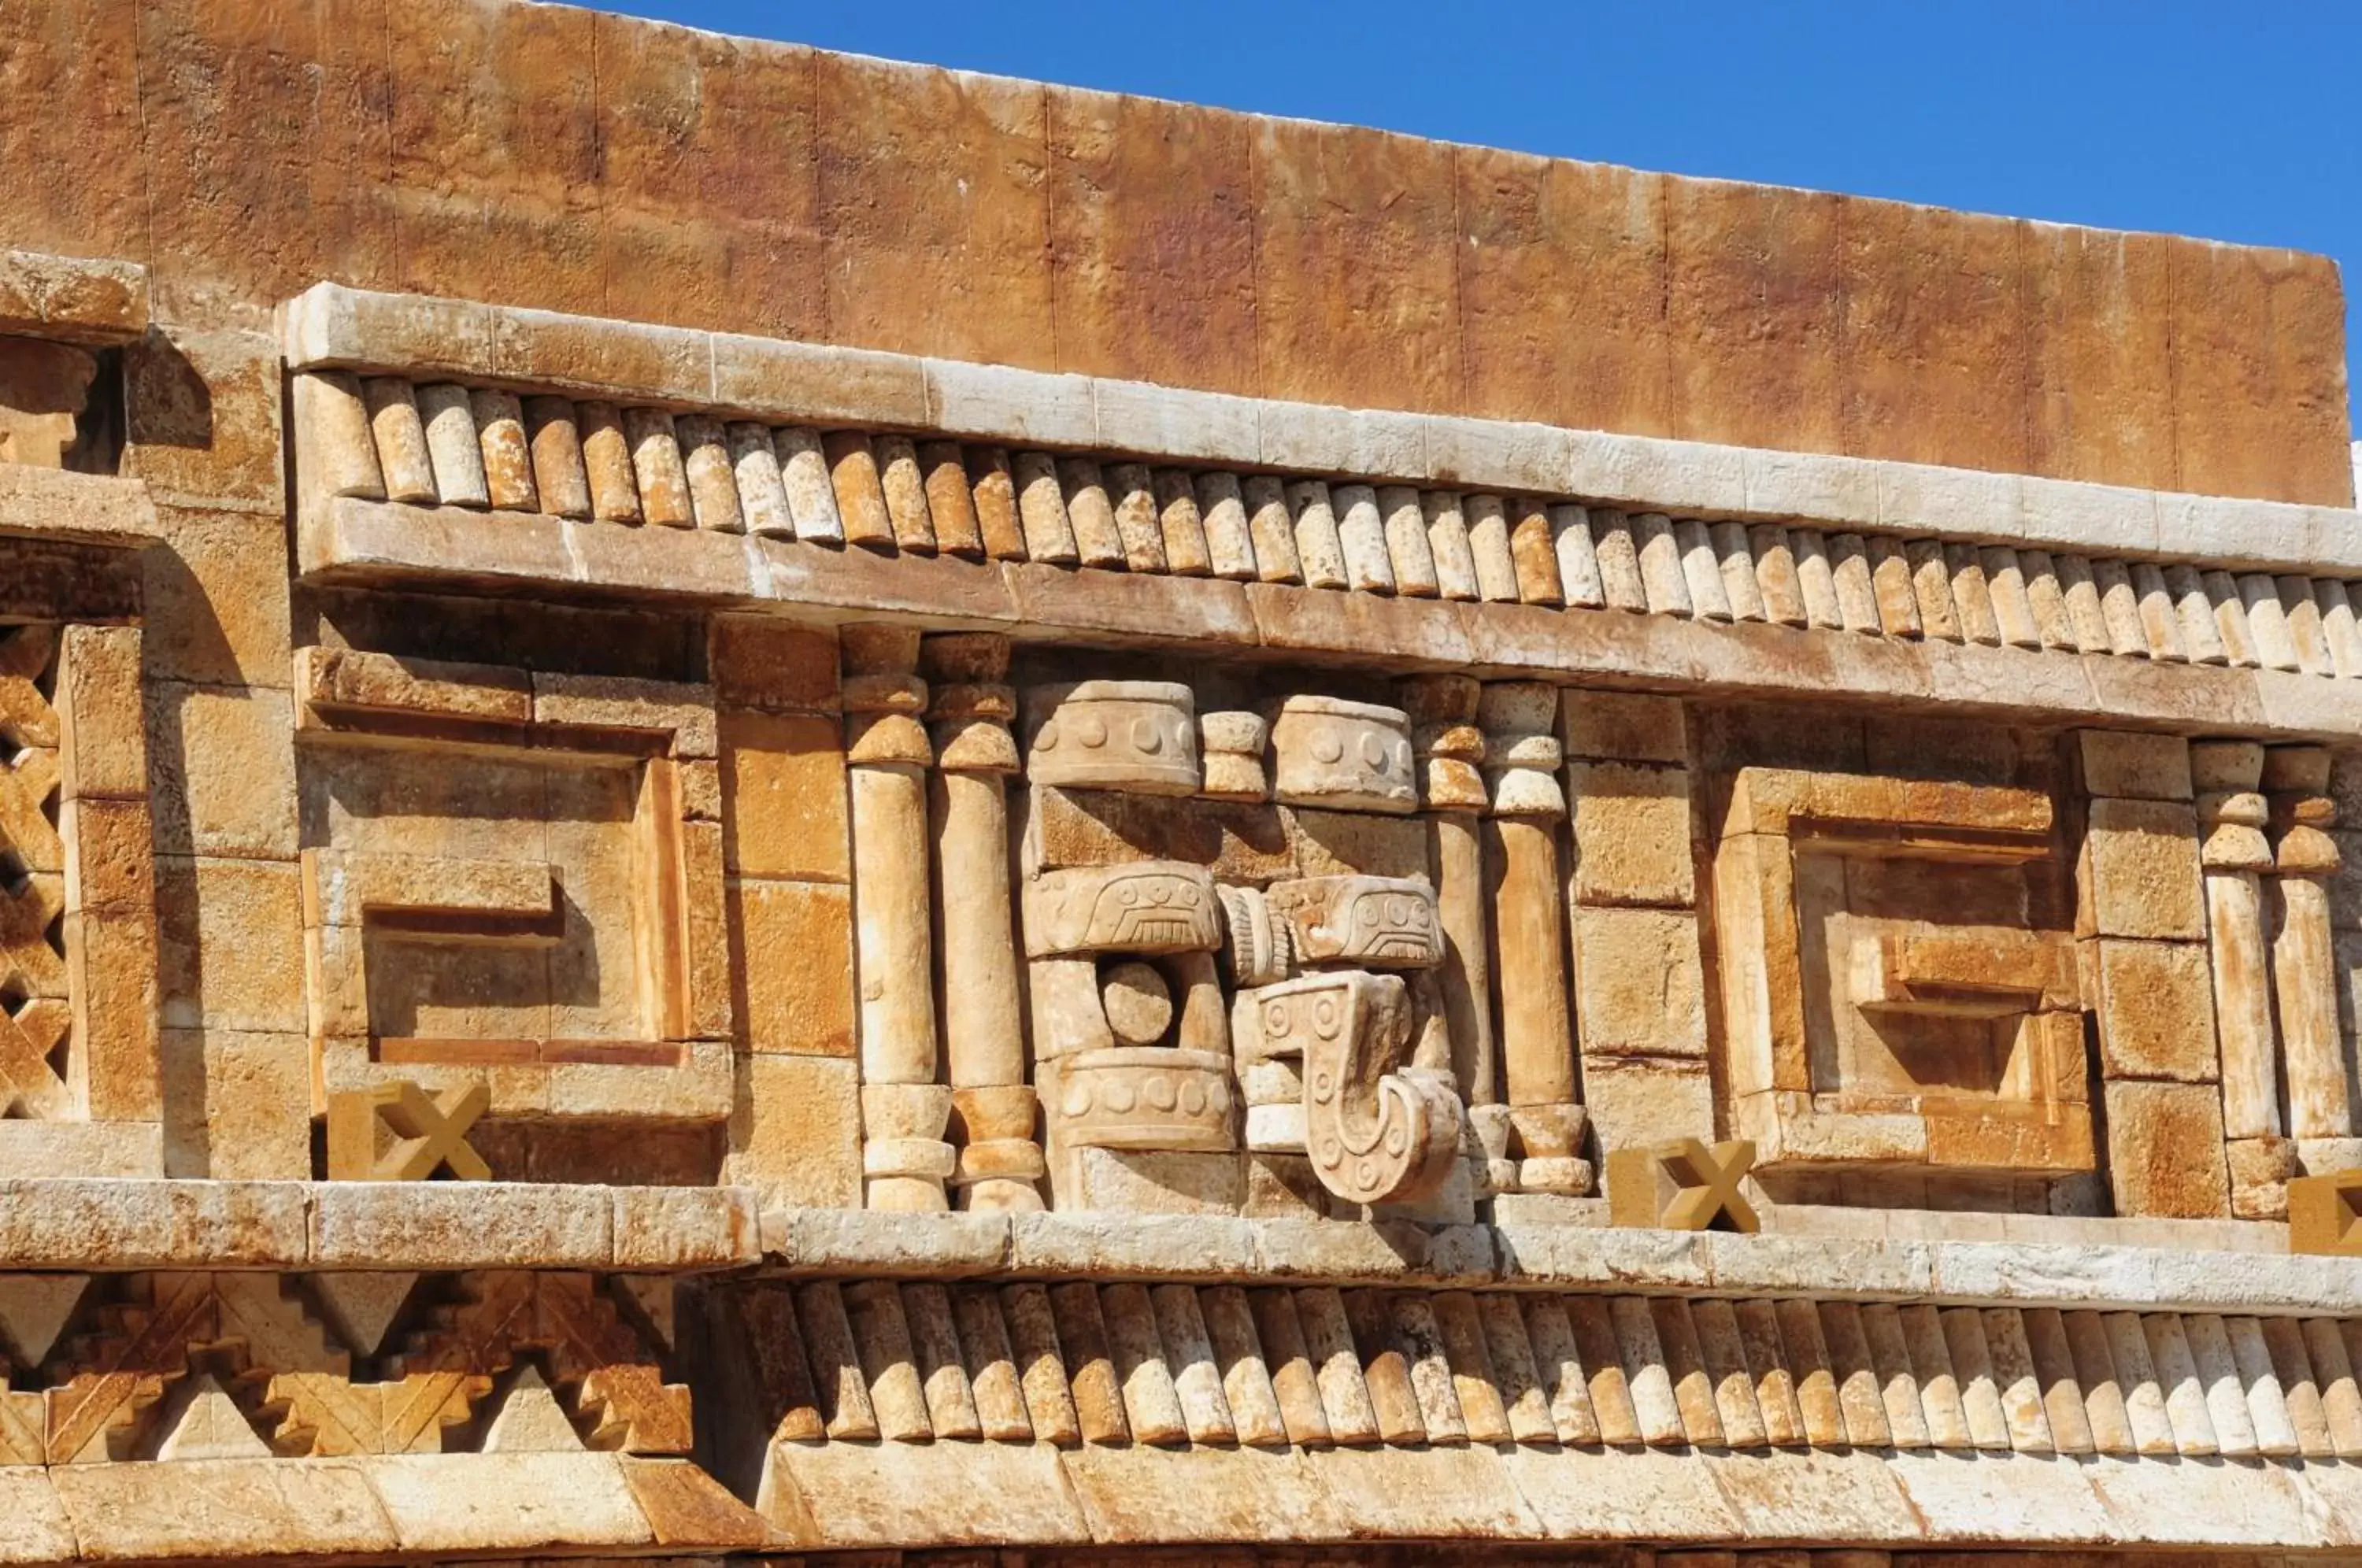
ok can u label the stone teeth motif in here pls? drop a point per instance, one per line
(1344, 755)
(1156, 906)
(1376, 1134)
(1386, 922)
(1140, 735)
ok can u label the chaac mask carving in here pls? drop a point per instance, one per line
(1144, 1043)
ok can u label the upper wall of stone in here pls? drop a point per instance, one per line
(544, 156)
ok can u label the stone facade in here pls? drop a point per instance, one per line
(757, 805)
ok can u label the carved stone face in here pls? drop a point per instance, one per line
(1140, 735)
(1386, 923)
(1157, 906)
(1347, 756)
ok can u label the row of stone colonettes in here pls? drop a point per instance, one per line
(637, 921)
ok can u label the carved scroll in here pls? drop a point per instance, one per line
(1376, 1135)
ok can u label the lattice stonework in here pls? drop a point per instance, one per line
(78, 1017)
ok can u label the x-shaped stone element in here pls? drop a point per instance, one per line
(395, 1132)
(28, 1086)
(1682, 1185)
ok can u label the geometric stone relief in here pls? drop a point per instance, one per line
(211, 1365)
(1894, 994)
(514, 878)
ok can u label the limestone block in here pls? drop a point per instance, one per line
(783, 794)
(1622, 726)
(795, 1136)
(1639, 983)
(761, 662)
(2156, 1011)
(225, 776)
(230, 945)
(794, 964)
(1635, 1100)
(1631, 834)
(2165, 1150)
(2140, 870)
(2127, 766)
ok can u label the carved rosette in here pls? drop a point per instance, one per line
(1375, 1135)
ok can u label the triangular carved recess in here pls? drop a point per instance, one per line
(33, 1310)
(529, 1419)
(208, 1424)
(363, 1307)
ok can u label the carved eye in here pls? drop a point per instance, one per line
(1046, 737)
(1146, 738)
(1366, 915)
(1399, 911)
(1091, 732)
(1402, 756)
(1193, 1099)
(1374, 752)
(1327, 747)
(1127, 893)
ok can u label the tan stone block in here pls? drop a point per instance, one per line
(760, 661)
(215, 598)
(335, 678)
(1933, 376)
(230, 945)
(783, 794)
(1754, 312)
(228, 1507)
(1639, 983)
(226, 771)
(2256, 374)
(2156, 1011)
(794, 964)
(935, 217)
(71, 298)
(1622, 726)
(2127, 765)
(2165, 1150)
(1336, 843)
(513, 1501)
(103, 733)
(1589, 234)
(1356, 238)
(203, 416)
(795, 1136)
(2099, 323)
(1634, 1102)
(111, 960)
(237, 1106)
(1152, 219)
(2140, 870)
(110, 856)
(1631, 834)
(689, 124)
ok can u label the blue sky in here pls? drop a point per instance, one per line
(2240, 119)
